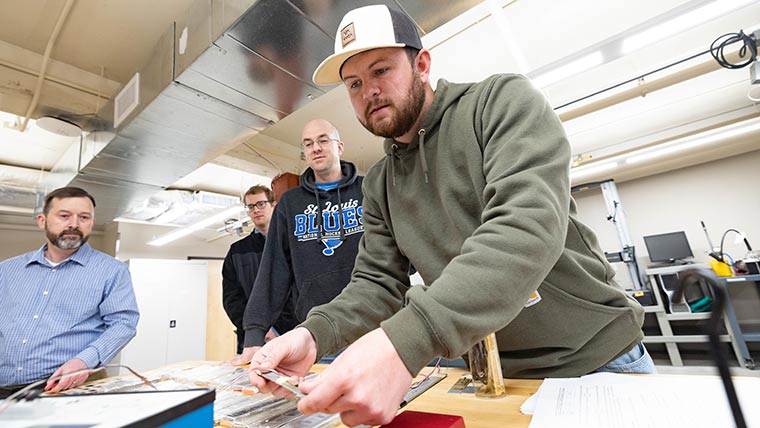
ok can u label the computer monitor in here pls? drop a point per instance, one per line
(668, 247)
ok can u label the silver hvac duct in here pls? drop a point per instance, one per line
(225, 70)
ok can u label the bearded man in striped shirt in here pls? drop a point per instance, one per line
(64, 308)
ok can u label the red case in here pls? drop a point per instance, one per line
(412, 419)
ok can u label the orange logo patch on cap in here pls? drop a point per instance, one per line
(347, 34)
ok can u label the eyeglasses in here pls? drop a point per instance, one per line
(260, 205)
(322, 141)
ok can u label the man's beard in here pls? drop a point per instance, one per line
(67, 242)
(407, 113)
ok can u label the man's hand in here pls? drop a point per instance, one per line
(247, 354)
(291, 354)
(365, 384)
(56, 384)
(245, 357)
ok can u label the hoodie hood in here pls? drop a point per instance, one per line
(445, 95)
(308, 180)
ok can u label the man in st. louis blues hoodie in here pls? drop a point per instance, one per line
(313, 237)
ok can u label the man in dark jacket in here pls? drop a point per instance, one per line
(313, 237)
(242, 264)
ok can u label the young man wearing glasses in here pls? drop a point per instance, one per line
(242, 264)
(313, 237)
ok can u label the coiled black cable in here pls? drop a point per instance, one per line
(749, 44)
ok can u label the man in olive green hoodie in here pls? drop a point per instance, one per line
(475, 193)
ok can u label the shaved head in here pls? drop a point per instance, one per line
(323, 125)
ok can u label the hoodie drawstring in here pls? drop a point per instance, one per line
(320, 216)
(340, 218)
(320, 223)
(421, 133)
(391, 155)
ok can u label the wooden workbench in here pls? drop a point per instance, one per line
(477, 412)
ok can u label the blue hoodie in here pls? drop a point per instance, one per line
(311, 245)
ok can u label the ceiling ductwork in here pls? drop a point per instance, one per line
(18, 188)
(179, 207)
(221, 73)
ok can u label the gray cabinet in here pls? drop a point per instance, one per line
(171, 296)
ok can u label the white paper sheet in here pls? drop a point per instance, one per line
(605, 400)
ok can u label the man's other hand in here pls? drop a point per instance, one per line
(271, 334)
(243, 358)
(291, 354)
(59, 381)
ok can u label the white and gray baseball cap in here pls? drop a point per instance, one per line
(362, 29)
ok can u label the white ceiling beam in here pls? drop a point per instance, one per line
(26, 61)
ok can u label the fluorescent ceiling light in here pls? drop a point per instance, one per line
(179, 233)
(693, 141)
(680, 23)
(669, 148)
(571, 68)
(168, 217)
(583, 171)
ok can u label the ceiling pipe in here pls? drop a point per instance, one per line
(95, 92)
(45, 58)
(647, 88)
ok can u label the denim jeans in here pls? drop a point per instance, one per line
(327, 359)
(637, 360)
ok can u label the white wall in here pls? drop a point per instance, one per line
(721, 193)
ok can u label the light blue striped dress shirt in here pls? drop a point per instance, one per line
(84, 307)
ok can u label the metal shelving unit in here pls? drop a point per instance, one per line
(664, 319)
(741, 337)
